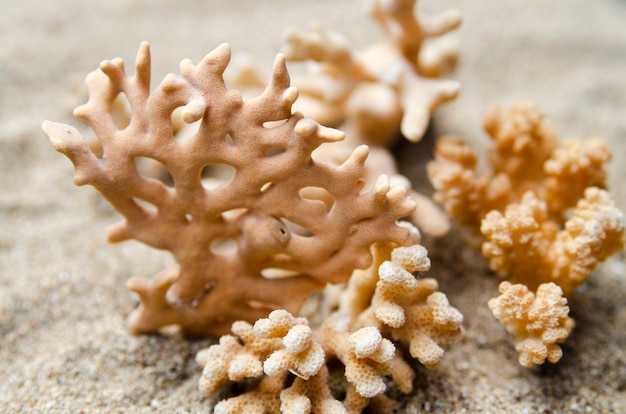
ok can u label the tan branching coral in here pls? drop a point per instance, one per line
(280, 211)
(383, 305)
(538, 321)
(546, 219)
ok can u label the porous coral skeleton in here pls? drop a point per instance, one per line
(546, 219)
(280, 211)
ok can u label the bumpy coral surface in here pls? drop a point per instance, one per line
(364, 344)
(280, 213)
(546, 219)
(524, 246)
(525, 157)
(538, 321)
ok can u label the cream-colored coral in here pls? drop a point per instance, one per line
(234, 358)
(355, 337)
(265, 398)
(265, 211)
(301, 355)
(365, 354)
(397, 283)
(431, 325)
(406, 308)
(312, 396)
(539, 321)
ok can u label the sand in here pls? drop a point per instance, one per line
(64, 345)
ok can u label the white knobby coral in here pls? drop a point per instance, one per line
(357, 338)
(539, 322)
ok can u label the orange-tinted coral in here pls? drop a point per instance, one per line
(545, 216)
(525, 157)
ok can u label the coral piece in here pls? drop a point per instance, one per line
(538, 321)
(301, 355)
(573, 167)
(358, 335)
(280, 212)
(265, 398)
(543, 212)
(366, 355)
(408, 309)
(312, 396)
(232, 360)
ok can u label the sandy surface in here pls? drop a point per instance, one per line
(63, 344)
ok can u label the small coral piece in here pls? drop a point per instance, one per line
(281, 213)
(544, 213)
(538, 321)
(232, 360)
(366, 355)
(383, 305)
(405, 308)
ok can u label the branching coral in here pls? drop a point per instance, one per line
(281, 211)
(383, 306)
(546, 219)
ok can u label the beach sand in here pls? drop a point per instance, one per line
(64, 346)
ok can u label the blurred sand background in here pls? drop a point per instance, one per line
(64, 347)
